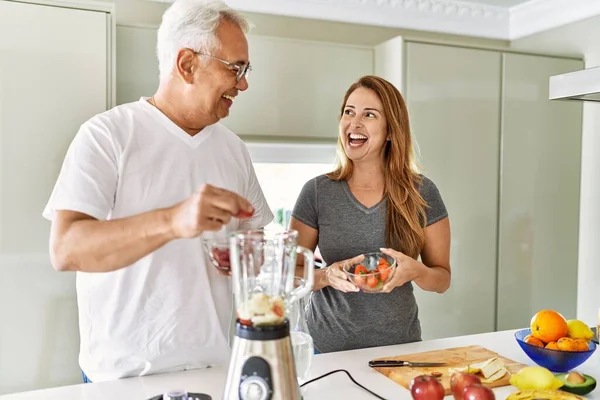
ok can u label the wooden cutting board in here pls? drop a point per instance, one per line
(454, 357)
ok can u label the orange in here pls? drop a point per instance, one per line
(581, 345)
(548, 326)
(566, 344)
(534, 341)
(552, 345)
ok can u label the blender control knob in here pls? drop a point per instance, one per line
(175, 395)
(254, 388)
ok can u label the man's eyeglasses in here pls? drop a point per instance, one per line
(240, 70)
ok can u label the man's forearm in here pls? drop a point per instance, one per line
(89, 245)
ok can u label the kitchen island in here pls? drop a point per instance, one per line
(333, 387)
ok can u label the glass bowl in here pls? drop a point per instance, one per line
(554, 360)
(217, 249)
(370, 274)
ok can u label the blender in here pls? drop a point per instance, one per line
(263, 268)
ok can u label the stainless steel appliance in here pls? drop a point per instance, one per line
(263, 276)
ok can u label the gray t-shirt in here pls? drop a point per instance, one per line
(344, 321)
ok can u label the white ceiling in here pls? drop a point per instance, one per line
(576, 39)
(501, 3)
(490, 19)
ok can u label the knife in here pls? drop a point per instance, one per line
(400, 363)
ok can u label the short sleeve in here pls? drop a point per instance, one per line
(436, 209)
(87, 181)
(305, 209)
(263, 215)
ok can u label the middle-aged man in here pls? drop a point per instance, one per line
(139, 185)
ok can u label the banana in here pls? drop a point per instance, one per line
(543, 395)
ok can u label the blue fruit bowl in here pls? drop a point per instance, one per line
(554, 360)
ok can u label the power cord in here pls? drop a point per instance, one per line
(202, 396)
(349, 376)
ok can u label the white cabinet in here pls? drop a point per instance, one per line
(137, 65)
(539, 207)
(507, 163)
(55, 68)
(295, 89)
(454, 109)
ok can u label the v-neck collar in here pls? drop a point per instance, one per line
(358, 204)
(192, 141)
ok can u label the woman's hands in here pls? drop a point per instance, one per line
(430, 277)
(427, 275)
(335, 276)
(407, 269)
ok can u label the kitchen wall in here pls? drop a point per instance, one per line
(134, 16)
(41, 52)
(42, 349)
(582, 38)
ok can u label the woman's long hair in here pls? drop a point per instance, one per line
(405, 219)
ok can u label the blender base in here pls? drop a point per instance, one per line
(262, 365)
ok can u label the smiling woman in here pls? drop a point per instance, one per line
(358, 118)
(375, 200)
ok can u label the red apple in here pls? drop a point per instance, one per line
(459, 381)
(478, 392)
(426, 387)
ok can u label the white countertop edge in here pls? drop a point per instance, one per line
(337, 386)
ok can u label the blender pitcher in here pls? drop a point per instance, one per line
(263, 275)
(302, 341)
(263, 266)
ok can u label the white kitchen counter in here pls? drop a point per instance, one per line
(337, 386)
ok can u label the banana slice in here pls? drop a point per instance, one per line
(543, 395)
(467, 370)
(495, 376)
(491, 370)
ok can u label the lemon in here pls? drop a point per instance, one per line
(577, 329)
(535, 378)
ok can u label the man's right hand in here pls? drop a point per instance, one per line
(208, 209)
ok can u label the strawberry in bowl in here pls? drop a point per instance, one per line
(370, 274)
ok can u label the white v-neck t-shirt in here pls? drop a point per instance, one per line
(170, 310)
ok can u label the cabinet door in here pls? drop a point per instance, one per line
(453, 97)
(137, 65)
(296, 88)
(53, 76)
(539, 212)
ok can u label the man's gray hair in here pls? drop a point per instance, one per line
(192, 24)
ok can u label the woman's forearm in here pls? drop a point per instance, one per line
(320, 278)
(433, 279)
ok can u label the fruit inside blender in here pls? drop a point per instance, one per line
(261, 309)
